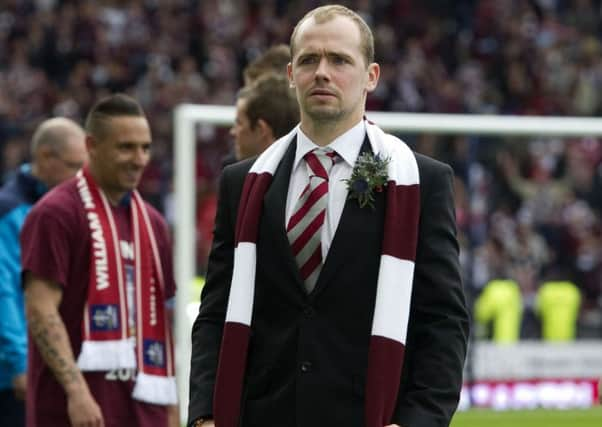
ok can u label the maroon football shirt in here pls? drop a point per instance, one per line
(55, 245)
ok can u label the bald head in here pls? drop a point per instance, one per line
(58, 150)
(55, 133)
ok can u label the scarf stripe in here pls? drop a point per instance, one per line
(250, 212)
(394, 285)
(230, 374)
(385, 363)
(241, 307)
(161, 277)
(398, 224)
(117, 249)
(137, 288)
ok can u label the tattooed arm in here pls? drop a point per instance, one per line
(42, 298)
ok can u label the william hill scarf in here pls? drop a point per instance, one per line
(106, 345)
(394, 285)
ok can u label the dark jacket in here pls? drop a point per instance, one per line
(308, 353)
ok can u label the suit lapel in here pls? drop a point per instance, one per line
(345, 241)
(274, 213)
(273, 230)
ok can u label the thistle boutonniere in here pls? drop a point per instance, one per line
(369, 175)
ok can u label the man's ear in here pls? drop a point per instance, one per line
(373, 75)
(90, 143)
(289, 74)
(44, 152)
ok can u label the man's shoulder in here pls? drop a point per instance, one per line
(153, 212)
(21, 188)
(154, 215)
(10, 197)
(436, 177)
(60, 200)
(428, 165)
(237, 171)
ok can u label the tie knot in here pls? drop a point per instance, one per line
(320, 161)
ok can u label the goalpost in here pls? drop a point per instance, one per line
(187, 116)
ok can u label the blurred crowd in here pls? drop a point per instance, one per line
(528, 210)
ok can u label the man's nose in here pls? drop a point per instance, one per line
(141, 157)
(323, 69)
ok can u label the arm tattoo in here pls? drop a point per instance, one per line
(50, 336)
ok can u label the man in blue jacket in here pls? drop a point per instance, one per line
(58, 151)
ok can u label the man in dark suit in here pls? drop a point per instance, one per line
(333, 295)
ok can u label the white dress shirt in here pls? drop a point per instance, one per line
(347, 147)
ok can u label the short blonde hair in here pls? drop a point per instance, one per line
(326, 13)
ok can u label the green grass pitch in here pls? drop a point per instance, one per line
(535, 418)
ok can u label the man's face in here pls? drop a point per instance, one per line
(329, 72)
(247, 142)
(64, 164)
(118, 159)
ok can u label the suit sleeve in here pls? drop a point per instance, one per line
(208, 326)
(439, 322)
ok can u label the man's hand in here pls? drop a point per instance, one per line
(20, 386)
(83, 410)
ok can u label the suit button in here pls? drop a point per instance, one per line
(308, 312)
(306, 367)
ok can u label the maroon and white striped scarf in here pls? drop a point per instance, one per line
(106, 345)
(394, 286)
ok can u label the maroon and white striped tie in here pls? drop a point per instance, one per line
(304, 228)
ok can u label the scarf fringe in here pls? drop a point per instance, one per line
(107, 355)
(155, 389)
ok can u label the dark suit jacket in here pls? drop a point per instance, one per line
(308, 353)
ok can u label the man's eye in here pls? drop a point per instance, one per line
(307, 60)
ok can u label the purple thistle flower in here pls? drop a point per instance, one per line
(360, 186)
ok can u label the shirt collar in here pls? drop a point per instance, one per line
(347, 145)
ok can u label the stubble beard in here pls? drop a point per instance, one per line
(325, 114)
